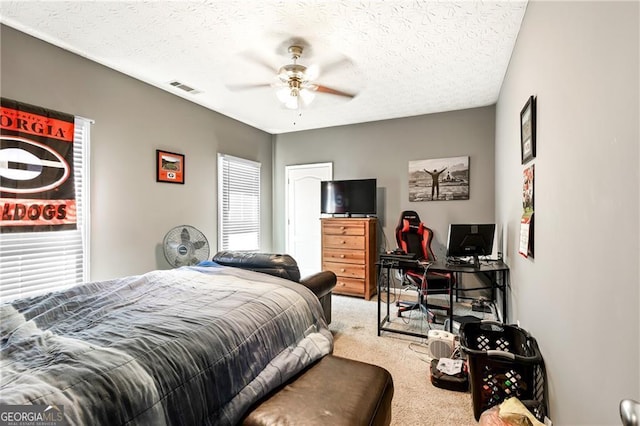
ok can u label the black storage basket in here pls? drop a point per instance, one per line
(504, 361)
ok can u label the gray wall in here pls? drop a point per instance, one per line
(130, 211)
(383, 149)
(579, 296)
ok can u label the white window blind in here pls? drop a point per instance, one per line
(32, 263)
(238, 203)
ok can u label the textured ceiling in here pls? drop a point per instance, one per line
(402, 58)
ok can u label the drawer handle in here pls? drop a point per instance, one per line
(342, 284)
(342, 228)
(342, 270)
(342, 242)
(342, 256)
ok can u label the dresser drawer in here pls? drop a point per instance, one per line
(349, 286)
(348, 270)
(344, 256)
(344, 229)
(346, 242)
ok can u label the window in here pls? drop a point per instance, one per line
(238, 203)
(39, 262)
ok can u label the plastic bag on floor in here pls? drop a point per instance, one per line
(511, 412)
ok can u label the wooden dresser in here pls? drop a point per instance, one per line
(349, 250)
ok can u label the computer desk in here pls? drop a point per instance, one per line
(494, 275)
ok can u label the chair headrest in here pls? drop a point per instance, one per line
(409, 221)
(413, 236)
(279, 265)
(410, 216)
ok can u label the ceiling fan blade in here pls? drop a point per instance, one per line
(312, 73)
(340, 63)
(260, 61)
(324, 89)
(238, 87)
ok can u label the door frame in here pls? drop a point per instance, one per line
(288, 240)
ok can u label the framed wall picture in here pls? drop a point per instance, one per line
(439, 179)
(528, 130)
(528, 213)
(169, 167)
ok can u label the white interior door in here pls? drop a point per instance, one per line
(303, 240)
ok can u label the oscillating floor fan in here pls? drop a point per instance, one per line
(184, 245)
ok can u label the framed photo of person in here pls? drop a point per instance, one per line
(528, 130)
(439, 179)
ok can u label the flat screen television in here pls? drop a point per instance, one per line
(348, 197)
(470, 240)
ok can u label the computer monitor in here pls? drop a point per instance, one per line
(470, 240)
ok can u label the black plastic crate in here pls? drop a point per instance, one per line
(504, 361)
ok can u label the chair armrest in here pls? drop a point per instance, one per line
(320, 283)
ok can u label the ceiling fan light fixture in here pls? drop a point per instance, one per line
(292, 103)
(283, 94)
(289, 97)
(307, 96)
(292, 71)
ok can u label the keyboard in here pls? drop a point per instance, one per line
(453, 261)
(398, 256)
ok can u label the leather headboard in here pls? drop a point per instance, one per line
(279, 265)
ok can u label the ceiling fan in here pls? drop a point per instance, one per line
(295, 83)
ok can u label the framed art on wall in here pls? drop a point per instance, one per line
(528, 130)
(439, 179)
(169, 167)
(526, 248)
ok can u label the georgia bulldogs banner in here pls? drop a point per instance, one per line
(36, 169)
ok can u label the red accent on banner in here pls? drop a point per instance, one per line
(28, 212)
(35, 124)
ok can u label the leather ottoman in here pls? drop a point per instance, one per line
(334, 391)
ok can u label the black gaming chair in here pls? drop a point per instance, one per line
(414, 237)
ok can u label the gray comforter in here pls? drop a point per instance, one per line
(187, 346)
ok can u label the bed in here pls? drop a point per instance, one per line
(193, 345)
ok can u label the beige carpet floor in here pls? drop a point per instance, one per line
(416, 401)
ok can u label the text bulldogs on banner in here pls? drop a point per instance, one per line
(37, 190)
